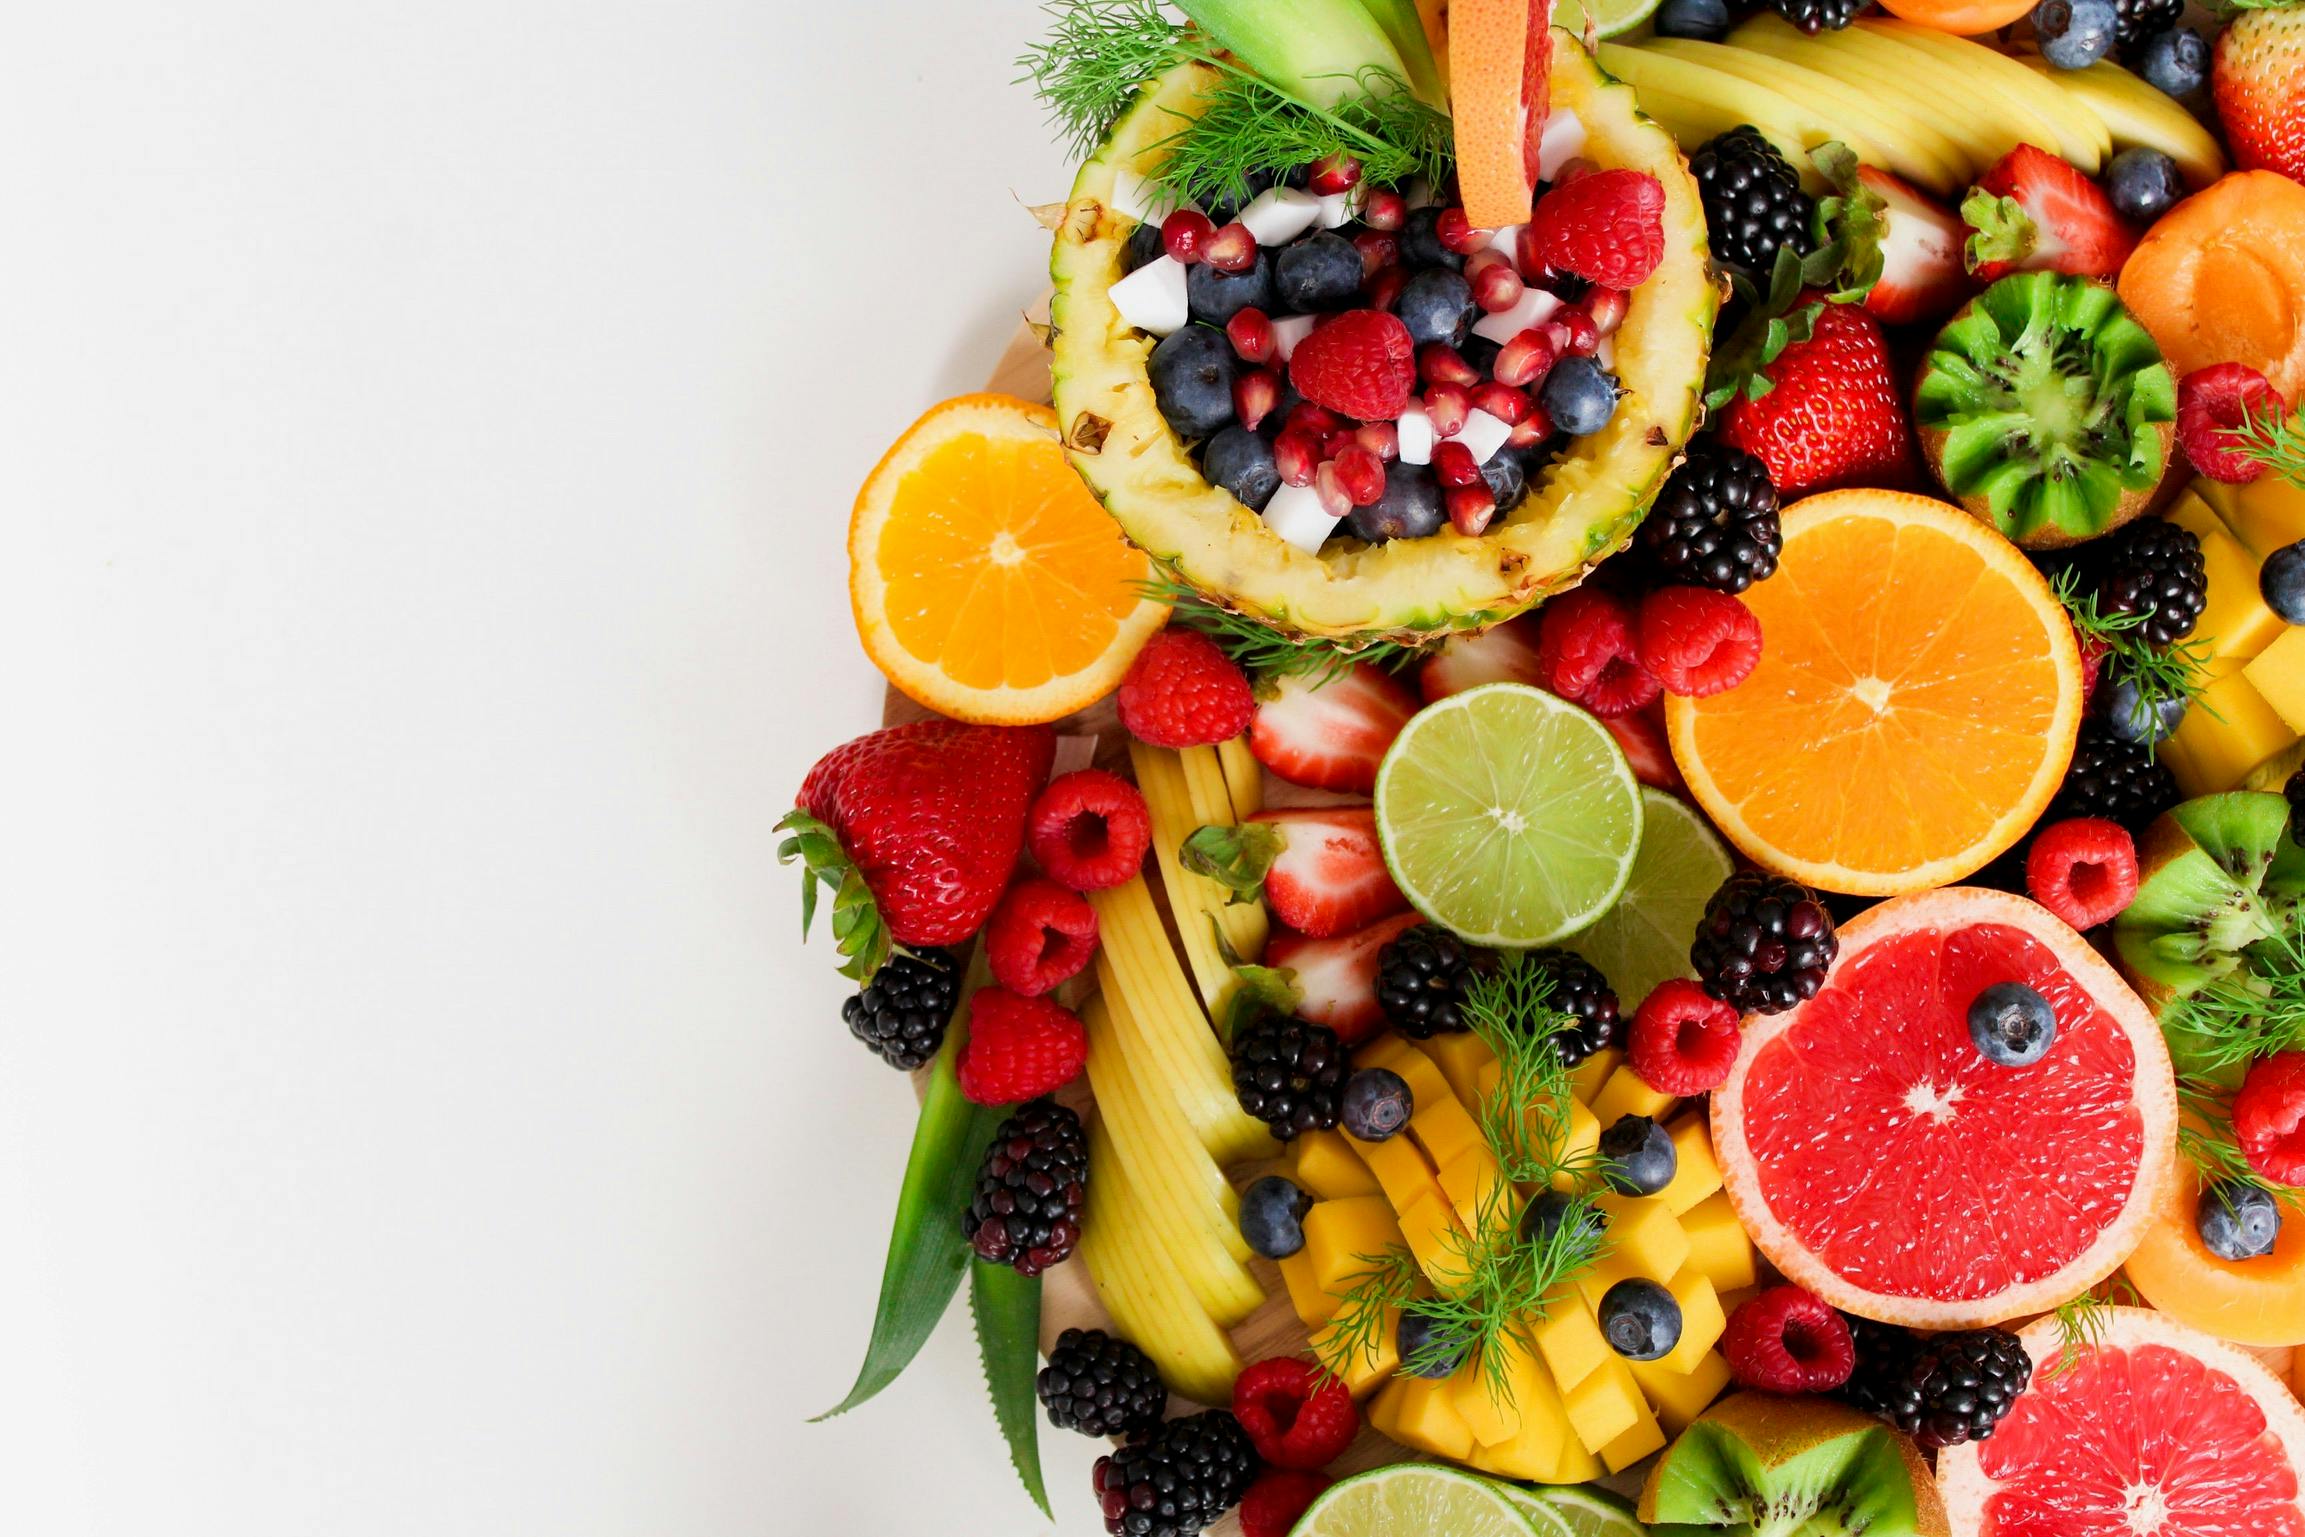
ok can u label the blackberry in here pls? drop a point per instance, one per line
(902, 1014)
(1028, 1193)
(1421, 976)
(1753, 201)
(1101, 1386)
(1814, 16)
(1581, 992)
(2137, 22)
(2151, 567)
(1178, 1480)
(2120, 781)
(1764, 943)
(1715, 523)
(1290, 1074)
(1940, 1389)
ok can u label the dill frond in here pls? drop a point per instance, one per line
(1097, 55)
(1385, 1282)
(2160, 673)
(1526, 1119)
(2081, 1322)
(2254, 1011)
(2205, 1137)
(1243, 126)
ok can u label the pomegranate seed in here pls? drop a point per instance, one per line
(1255, 392)
(1329, 485)
(1440, 363)
(1186, 234)
(1453, 464)
(1501, 401)
(1380, 438)
(1458, 233)
(1533, 429)
(1607, 307)
(1251, 331)
(1231, 249)
(1498, 287)
(1312, 420)
(1378, 251)
(1296, 454)
(1335, 173)
(1573, 330)
(1524, 361)
(1471, 508)
(1336, 441)
(1385, 209)
(1448, 405)
(1482, 260)
(1361, 473)
(1525, 257)
(1384, 290)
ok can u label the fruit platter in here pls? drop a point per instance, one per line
(1590, 815)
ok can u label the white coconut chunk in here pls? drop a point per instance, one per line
(1288, 330)
(1508, 241)
(1296, 514)
(1140, 197)
(1561, 141)
(1153, 298)
(1339, 209)
(1278, 215)
(1415, 428)
(1484, 435)
(1533, 308)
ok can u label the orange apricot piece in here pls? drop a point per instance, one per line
(1962, 18)
(2221, 279)
(2250, 1302)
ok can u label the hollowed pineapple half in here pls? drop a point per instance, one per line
(1584, 506)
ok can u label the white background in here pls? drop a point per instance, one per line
(426, 439)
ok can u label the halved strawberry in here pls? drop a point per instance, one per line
(2032, 212)
(1338, 976)
(1318, 867)
(1330, 735)
(1642, 736)
(1505, 653)
(1919, 241)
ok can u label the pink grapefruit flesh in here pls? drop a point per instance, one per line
(1881, 1161)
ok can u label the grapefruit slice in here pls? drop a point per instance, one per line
(2156, 1431)
(1882, 1162)
(1500, 71)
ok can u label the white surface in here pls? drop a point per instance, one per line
(426, 437)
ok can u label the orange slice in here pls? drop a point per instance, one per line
(986, 580)
(1914, 708)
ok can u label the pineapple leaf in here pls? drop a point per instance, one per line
(1006, 1308)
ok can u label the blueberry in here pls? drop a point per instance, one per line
(1410, 508)
(1144, 245)
(1705, 20)
(1319, 272)
(2143, 183)
(2238, 1222)
(1637, 1158)
(1640, 1320)
(2176, 61)
(1580, 395)
(2075, 34)
(1213, 295)
(2012, 1025)
(1546, 1213)
(2121, 706)
(1242, 463)
(1377, 1103)
(1225, 207)
(1481, 353)
(2281, 580)
(1192, 379)
(1508, 483)
(1421, 241)
(1273, 1216)
(1437, 306)
(1443, 1347)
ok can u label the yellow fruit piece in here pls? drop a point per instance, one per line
(1702, 1320)
(1624, 1094)
(1197, 903)
(1569, 1338)
(1718, 1248)
(1343, 1238)
(2081, 136)
(2228, 732)
(1679, 1397)
(1427, 1085)
(1476, 1188)
(1462, 1057)
(985, 579)
(1771, 35)
(1430, 1228)
(1605, 1405)
(1586, 1078)
(1495, 1417)
(2135, 112)
(1144, 1294)
(1400, 1169)
(1644, 1437)
(1314, 1306)
(1544, 1447)
(1645, 1242)
(1244, 777)
(2264, 515)
(1365, 1368)
(1696, 103)
(1244, 924)
(1418, 1413)
(2235, 622)
(1695, 1173)
(2278, 675)
(1325, 1164)
(1582, 1135)
(1443, 1129)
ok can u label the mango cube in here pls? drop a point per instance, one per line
(1569, 1337)
(1702, 1320)
(2278, 676)
(1365, 1367)
(1543, 1446)
(1341, 1238)
(1312, 1302)
(1430, 1227)
(1475, 1185)
(1427, 1085)
(1680, 1397)
(1624, 1094)
(1645, 1242)
(1417, 1412)
(2235, 622)
(1443, 1129)
(1326, 1165)
(1605, 1405)
(1461, 1056)
(2264, 515)
(2237, 731)
(1399, 1166)
(1586, 1078)
(1695, 1174)
(1494, 1417)
(1718, 1247)
(1645, 1437)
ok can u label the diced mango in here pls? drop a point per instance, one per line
(1426, 1084)
(1444, 1130)
(1326, 1165)
(1475, 1185)
(1430, 1228)
(1605, 1405)
(2264, 515)
(2278, 676)
(1586, 1078)
(1624, 1094)
(1645, 1437)
(1400, 1167)
(1695, 1173)
(1701, 1320)
(1306, 1294)
(2234, 733)
(1645, 1242)
(1417, 1412)
(1342, 1237)
(1680, 1397)
(1364, 1368)
(1718, 1247)
(1544, 1447)
(1493, 1417)
(1461, 1055)
(2235, 622)
(1569, 1338)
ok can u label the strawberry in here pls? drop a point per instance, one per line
(2258, 78)
(1330, 733)
(1505, 653)
(1834, 415)
(1918, 241)
(1318, 867)
(2032, 212)
(1607, 228)
(2210, 403)
(1338, 977)
(1642, 736)
(916, 829)
(1362, 363)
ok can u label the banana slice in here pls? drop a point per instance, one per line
(2134, 112)
(1974, 143)
(1697, 102)
(2080, 134)
(2002, 121)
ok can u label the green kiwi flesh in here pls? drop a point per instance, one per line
(1756, 1465)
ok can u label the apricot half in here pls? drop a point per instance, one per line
(2221, 279)
(2250, 1302)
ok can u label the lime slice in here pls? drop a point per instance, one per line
(1411, 1497)
(1612, 16)
(1588, 1512)
(1645, 938)
(1535, 1508)
(1508, 816)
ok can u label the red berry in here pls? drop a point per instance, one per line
(1186, 233)
(1378, 251)
(1501, 401)
(2211, 402)
(1018, 1048)
(1089, 830)
(1524, 361)
(1231, 249)
(1337, 440)
(1320, 421)
(1277, 1498)
(1585, 651)
(1471, 508)
(1440, 363)
(1448, 405)
(1607, 306)
(1573, 330)
(1296, 455)
(1380, 438)
(1361, 473)
(1454, 464)
(2269, 1117)
(1608, 227)
(1384, 290)
(1040, 937)
(2084, 870)
(1385, 209)
(1363, 364)
(1786, 1340)
(2093, 654)
(1684, 1040)
(1533, 429)
(1458, 233)
(1255, 392)
(1334, 173)
(1498, 287)
(1698, 642)
(1329, 486)
(1296, 1415)
(1183, 691)
(1251, 333)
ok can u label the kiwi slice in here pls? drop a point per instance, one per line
(2046, 409)
(1762, 1466)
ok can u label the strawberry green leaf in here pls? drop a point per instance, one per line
(1850, 228)
(1236, 858)
(2003, 231)
(1006, 1307)
(862, 938)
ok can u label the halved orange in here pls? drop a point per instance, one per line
(988, 583)
(1914, 708)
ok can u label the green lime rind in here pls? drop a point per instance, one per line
(1643, 939)
(1414, 1497)
(1611, 18)
(1588, 1512)
(1536, 1508)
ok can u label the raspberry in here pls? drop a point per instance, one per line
(2269, 1117)
(1585, 653)
(1018, 1048)
(1695, 641)
(1089, 830)
(1362, 363)
(1041, 935)
(1183, 691)
(2083, 869)
(1786, 1340)
(2093, 654)
(1277, 1498)
(1684, 1039)
(1608, 228)
(2210, 402)
(1297, 1415)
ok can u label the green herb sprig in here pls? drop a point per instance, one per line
(1265, 652)
(1097, 55)
(2253, 1011)
(2161, 673)
(2274, 441)
(2081, 1322)
(1526, 1119)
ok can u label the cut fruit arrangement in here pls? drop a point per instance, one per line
(1594, 799)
